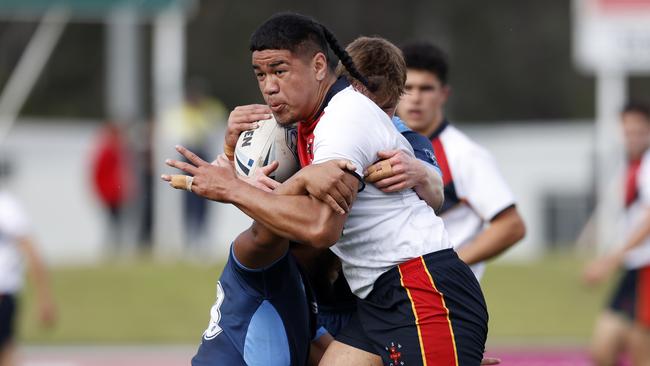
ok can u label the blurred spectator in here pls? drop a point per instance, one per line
(479, 212)
(16, 242)
(198, 125)
(625, 323)
(112, 179)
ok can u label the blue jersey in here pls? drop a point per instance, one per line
(261, 317)
(421, 145)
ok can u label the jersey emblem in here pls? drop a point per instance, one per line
(429, 153)
(215, 316)
(394, 354)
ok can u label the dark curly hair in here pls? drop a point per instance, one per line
(301, 35)
(427, 57)
(637, 107)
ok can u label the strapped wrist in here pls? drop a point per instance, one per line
(229, 151)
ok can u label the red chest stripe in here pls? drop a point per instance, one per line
(439, 151)
(306, 141)
(631, 191)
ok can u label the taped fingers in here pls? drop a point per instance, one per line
(379, 171)
(229, 151)
(180, 181)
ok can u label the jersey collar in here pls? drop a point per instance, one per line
(340, 84)
(439, 130)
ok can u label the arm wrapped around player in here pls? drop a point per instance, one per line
(325, 181)
(396, 171)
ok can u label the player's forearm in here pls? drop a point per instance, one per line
(504, 231)
(37, 271)
(296, 217)
(259, 239)
(261, 236)
(294, 186)
(258, 247)
(430, 189)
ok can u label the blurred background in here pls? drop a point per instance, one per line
(91, 98)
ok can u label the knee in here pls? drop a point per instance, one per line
(604, 352)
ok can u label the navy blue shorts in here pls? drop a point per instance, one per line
(7, 318)
(261, 317)
(334, 320)
(427, 311)
(631, 297)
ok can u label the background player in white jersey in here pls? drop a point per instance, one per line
(479, 212)
(625, 323)
(395, 252)
(16, 243)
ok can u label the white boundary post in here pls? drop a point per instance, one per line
(123, 65)
(611, 93)
(30, 66)
(168, 74)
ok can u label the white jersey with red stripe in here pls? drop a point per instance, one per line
(382, 229)
(475, 191)
(13, 226)
(636, 210)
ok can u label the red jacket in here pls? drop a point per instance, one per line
(111, 173)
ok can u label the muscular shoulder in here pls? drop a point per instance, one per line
(354, 128)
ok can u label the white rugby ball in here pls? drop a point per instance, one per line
(261, 146)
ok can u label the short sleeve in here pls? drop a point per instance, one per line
(480, 183)
(259, 280)
(346, 137)
(13, 219)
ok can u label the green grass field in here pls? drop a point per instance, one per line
(148, 302)
(543, 301)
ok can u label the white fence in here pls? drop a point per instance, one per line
(53, 180)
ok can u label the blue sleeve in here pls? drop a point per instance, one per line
(399, 125)
(260, 281)
(420, 144)
(422, 148)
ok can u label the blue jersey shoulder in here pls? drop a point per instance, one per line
(421, 145)
(399, 125)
